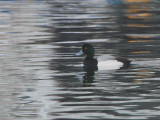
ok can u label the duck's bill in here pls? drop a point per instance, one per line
(79, 53)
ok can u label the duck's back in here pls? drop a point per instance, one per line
(105, 57)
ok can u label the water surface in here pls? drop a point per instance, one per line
(42, 79)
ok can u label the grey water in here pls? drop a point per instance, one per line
(42, 79)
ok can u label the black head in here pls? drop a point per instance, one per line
(88, 50)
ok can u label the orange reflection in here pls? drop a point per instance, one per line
(137, 25)
(138, 11)
(139, 40)
(135, 9)
(141, 52)
(140, 14)
(137, 1)
(144, 74)
(137, 81)
(139, 36)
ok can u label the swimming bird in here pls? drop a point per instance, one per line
(103, 62)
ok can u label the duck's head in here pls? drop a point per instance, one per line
(88, 50)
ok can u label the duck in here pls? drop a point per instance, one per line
(103, 62)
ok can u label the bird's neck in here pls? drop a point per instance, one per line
(89, 57)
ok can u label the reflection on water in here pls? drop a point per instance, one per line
(41, 79)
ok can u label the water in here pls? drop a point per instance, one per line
(42, 79)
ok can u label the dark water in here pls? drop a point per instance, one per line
(42, 79)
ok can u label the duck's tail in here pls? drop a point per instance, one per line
(125, 61)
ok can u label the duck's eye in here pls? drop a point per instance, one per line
(86, 48)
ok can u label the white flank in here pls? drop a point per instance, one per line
(109, 65)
